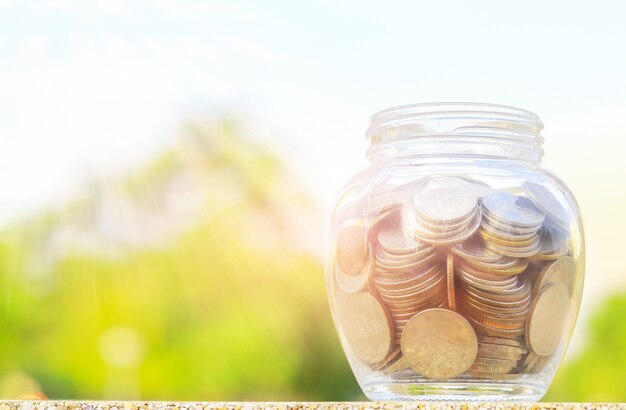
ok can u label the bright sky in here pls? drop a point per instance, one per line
(86, 86)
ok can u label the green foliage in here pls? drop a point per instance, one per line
(599, 372)
(219, 304)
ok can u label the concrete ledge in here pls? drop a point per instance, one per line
(139, 405)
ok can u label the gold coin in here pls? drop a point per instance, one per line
(494, 376)
(439, 344)
(398, 365)
(497, 354)
(352, 249)
(491, 331)
(500, 341)
(561, 271)
(509, 241)
(491, 369)
(534, 363)
(538, 364)
(548, 314)
(488, 361)
(503, 348)
(366, 327)
(450, 272)
(391, 357)
(501, 323)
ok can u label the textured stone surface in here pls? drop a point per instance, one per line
(113, 405)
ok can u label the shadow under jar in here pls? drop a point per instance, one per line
(456, 260)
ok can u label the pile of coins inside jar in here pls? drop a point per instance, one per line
(455, 280)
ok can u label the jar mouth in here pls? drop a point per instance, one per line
(509, 128)
(453, 109)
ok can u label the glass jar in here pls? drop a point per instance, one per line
(455, 260)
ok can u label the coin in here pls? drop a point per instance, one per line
(506, 232)
(391, 358)
(450, 274)
(394, 239)
(397, 366)
(494, 376)
(514, 210)
(449, 237)
(491, 331)
(500, 341)
(474, 250)
(561, 271)
(553, 243)
(546, 321)
(351, 283)
(439, 344)
(534, 363)
(445, 199)
(510, 241)
(515, 252)
(366, 327)
(443, 234)
(488, 361)
(504, 228)
(352, 249)
(494, 347)
(486, 351)
(492, 369)
(545, 200)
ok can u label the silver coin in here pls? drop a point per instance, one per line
(545, 200)
(458, 237)
(515, 252)
(445, 199)
(474, 250)
(553, 241)
(394, 238)
(513, 209)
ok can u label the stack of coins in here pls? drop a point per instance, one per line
(497, 357)
(511, 225)
(553, 242)
(497, 308)
(444, 211)
(408, 275)
(456, 282)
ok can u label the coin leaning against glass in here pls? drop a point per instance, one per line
(366, 327)
(546, 321)
(563, 271)
(352, 248)
(439, 344)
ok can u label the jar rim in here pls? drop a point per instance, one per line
(455, 128)
(452, 108)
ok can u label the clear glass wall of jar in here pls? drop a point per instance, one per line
(455, 260)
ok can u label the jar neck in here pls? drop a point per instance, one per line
(466, 130)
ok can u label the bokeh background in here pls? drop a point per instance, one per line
(166, 168)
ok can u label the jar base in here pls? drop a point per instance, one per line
(465, 390)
